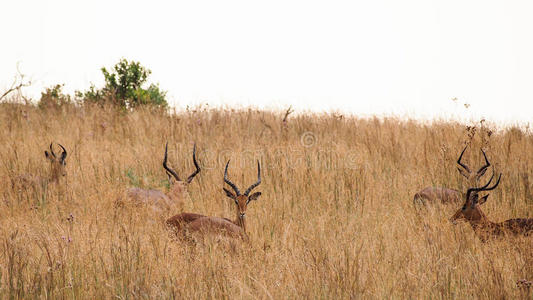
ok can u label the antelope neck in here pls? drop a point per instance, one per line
(482, 223)
(240, 222)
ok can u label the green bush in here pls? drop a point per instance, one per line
(124, 87)
(53, 98)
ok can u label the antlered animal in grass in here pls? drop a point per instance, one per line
(58, 166)
(430, 195)
(159, 200)
(482, 226)
(208, 224)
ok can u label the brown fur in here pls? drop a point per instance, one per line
(482, 226)
(485, 229)
(178, 221)
(438, 194)
(207, 224)
(160, 201)
(216, 225)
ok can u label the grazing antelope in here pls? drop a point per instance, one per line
(446, 195)
(481, 225)
(57, 170)
(177, 193)
(201, 223)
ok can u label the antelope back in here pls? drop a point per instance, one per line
(216, 225)
(430, 195)
(156, 199)
(24, 181)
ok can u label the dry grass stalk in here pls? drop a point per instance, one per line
(336, 219)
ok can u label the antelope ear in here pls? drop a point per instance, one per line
(483, 199)
(464, 173)
(229, 194)
(254, 196)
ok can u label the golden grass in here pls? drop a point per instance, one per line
(335, 220)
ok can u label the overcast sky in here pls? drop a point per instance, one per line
(406, 57)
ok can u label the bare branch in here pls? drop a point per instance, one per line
(18, 83)
(287, 113)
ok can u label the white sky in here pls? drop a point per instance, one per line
(365, 57)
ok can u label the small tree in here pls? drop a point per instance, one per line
(54, 98)
(124, 87)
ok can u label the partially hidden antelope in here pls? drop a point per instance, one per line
(58, 166)
(444, 195)
(177, 193)
(237, 227)
(482, 226)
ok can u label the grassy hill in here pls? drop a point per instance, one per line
(335, 219)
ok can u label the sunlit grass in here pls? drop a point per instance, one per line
(335, 219)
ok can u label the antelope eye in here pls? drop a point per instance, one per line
(464, 207)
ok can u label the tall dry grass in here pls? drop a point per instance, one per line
(335, 219)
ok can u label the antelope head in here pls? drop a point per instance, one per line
(473, 178)
(470, 210)
(57, 164)
(242, 200)
(178, 187)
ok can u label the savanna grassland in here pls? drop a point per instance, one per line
(335, 219)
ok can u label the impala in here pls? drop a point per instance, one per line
(200, 223)
(481, 225)
(57, 170)
(177, 192)
(446, 195)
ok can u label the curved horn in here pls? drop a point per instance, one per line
(64, 154)
(495, 185)
(166, 167)
(459, 161)
(52, 150)
(483, 188)
(258, 180)
(226, 180)
(482, 170)
(191, 177)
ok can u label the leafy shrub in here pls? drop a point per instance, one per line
(54, 98)
(124, 87)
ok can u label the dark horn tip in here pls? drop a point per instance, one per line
(464, 149)
(52, 150)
